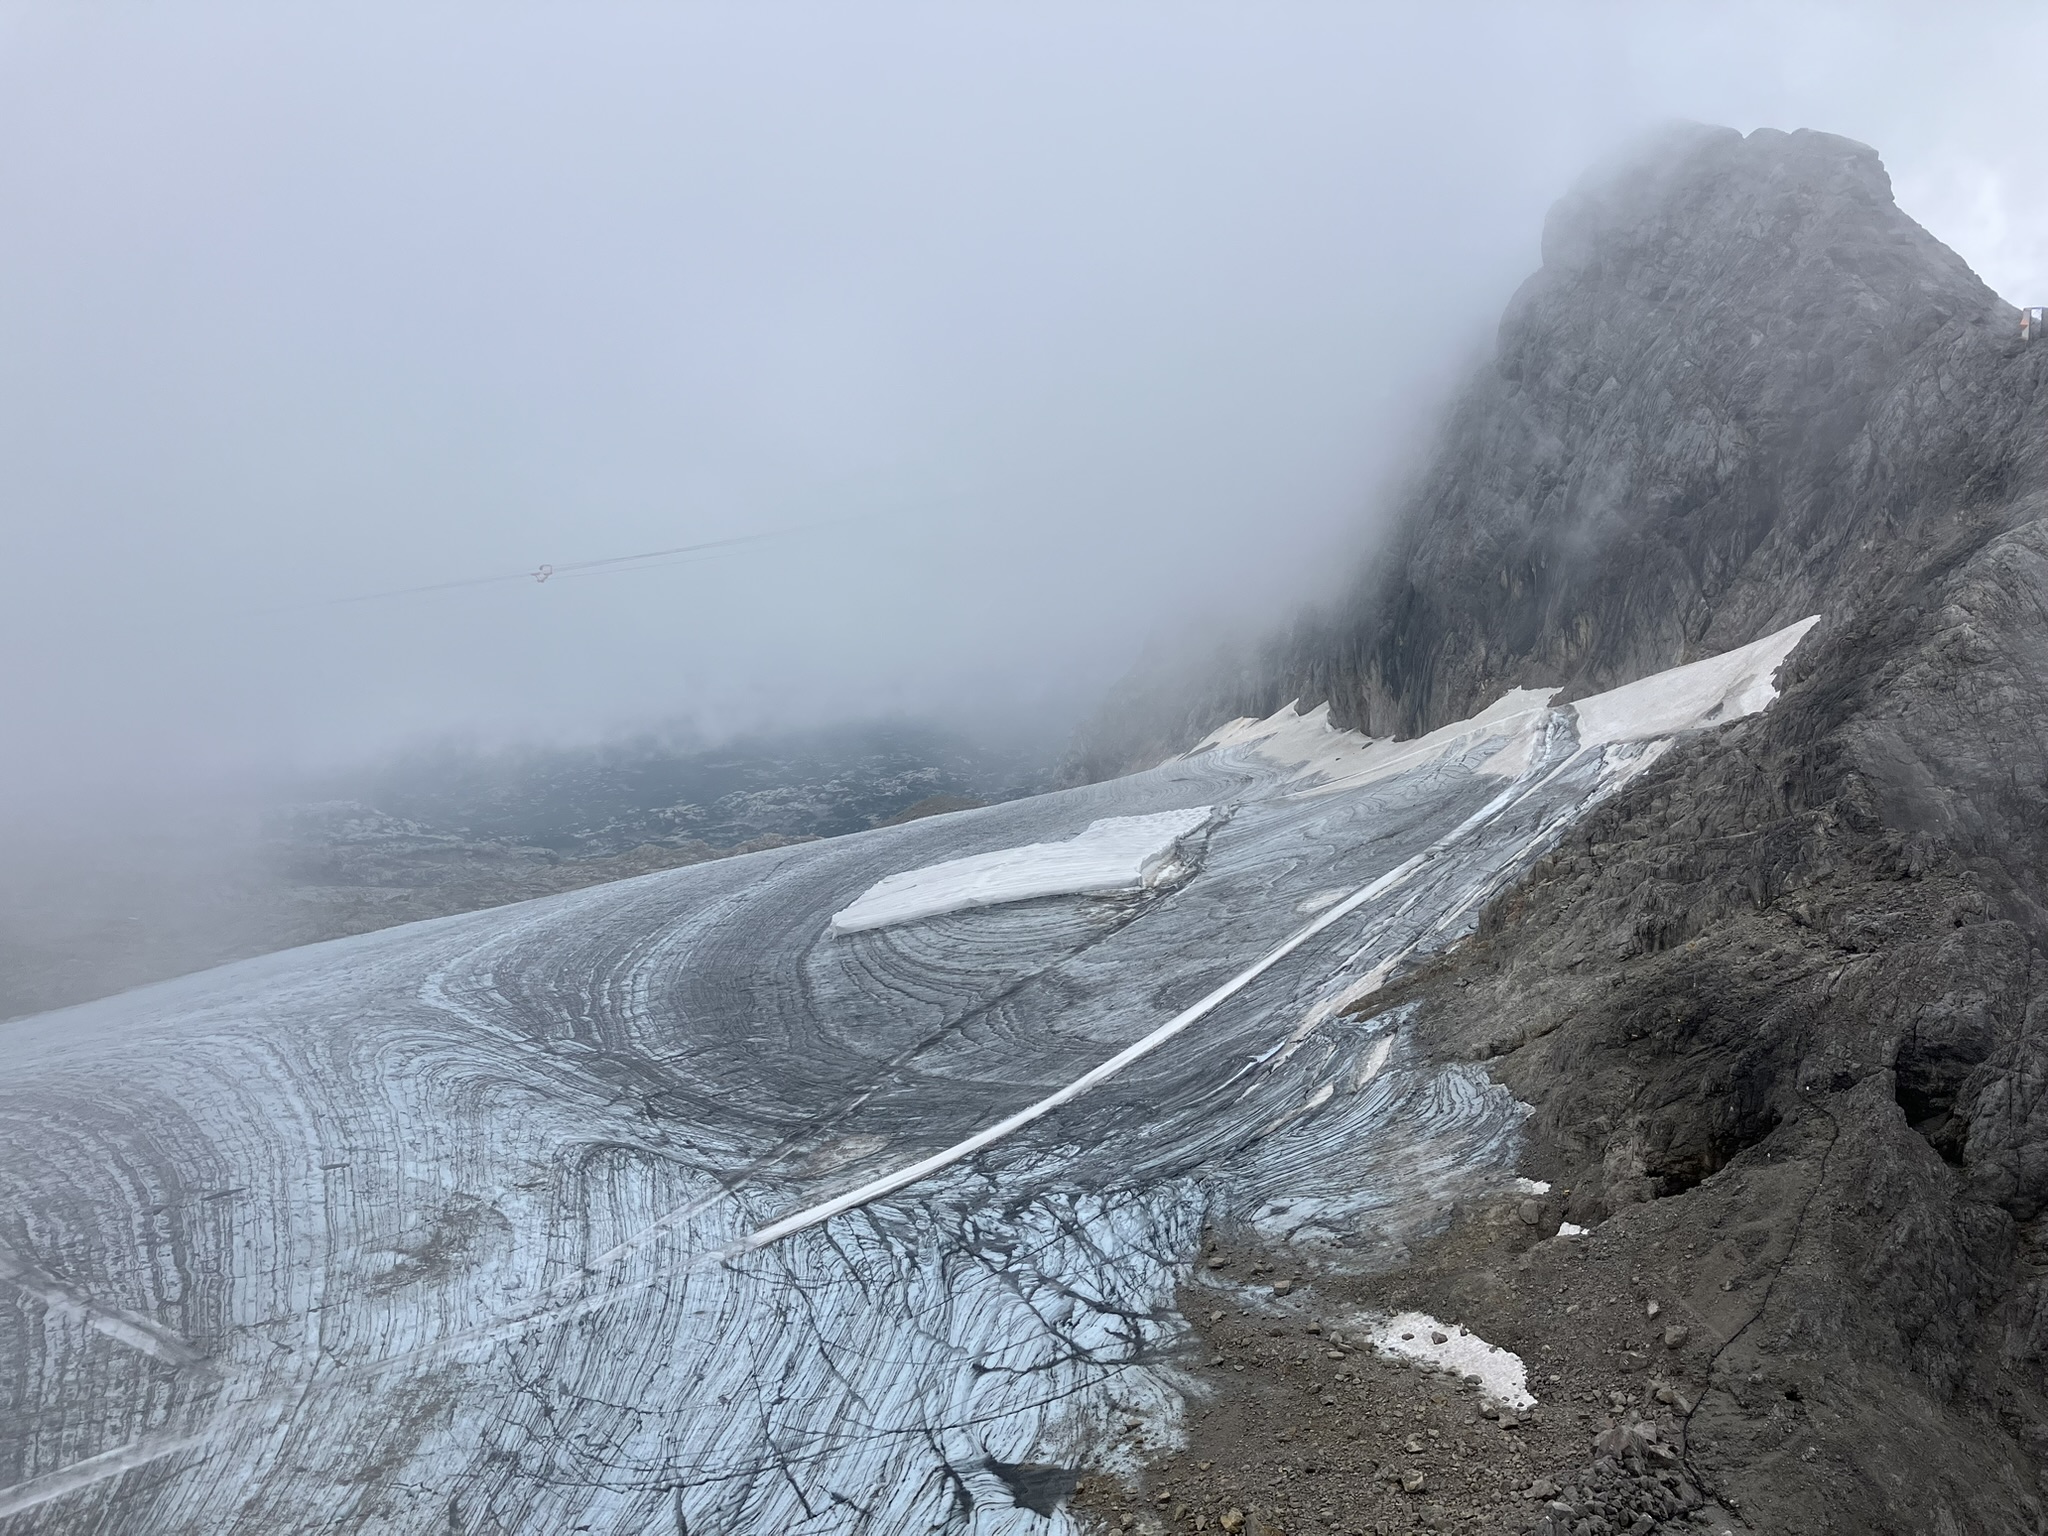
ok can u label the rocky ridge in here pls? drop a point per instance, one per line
(1777, 1007)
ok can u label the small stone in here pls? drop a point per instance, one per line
(1282, 1287)
(1215, 1359)
(1439, 1338)
(1218, 1261)
(1232, 1521)
(1509, 1421)
(1489, 1409)
(1205, 1465)
(1531, 1213)
(1414, 1446)
(1126, 1521)
(1215, 1315)
(1412, 1481)
(1676, 1335)
(1651, 1309)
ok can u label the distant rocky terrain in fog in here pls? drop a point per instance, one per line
(451, 832)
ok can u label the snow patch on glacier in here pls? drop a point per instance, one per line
(1114, 854)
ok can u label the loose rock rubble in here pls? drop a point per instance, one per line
(1630, 1487)
(1301, 1428)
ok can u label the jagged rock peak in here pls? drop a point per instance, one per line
(1739, 365)
(1674, 178)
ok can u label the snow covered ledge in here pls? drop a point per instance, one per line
(1499, 739)
(1692, 697)
(1115, 854)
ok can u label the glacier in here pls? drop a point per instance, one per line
(678, 1204)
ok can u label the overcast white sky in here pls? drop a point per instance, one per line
(1108, 315)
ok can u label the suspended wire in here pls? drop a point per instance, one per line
(543, 573)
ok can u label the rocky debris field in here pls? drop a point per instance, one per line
(1299, 1425)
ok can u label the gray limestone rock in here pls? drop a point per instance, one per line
(1784, 1001)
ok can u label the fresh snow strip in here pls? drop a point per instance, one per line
(891, 1182)
(1117, 853)
(1414, 1335)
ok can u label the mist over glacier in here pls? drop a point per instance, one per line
(1075, 327)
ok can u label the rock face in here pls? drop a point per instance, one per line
(1785, 1001)
(1740, 371)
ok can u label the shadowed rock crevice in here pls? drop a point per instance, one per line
(1036, 1486)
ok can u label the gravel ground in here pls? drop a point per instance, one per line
(1299, 1425)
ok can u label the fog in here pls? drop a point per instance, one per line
(1028, 330)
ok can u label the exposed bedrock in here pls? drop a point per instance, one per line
(1780, 986)
(1739, 372)
(1788, 991)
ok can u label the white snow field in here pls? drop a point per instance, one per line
(663, 1206)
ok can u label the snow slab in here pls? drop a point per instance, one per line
(1499, 739)
(1501, 1373)
(1117, 853)
(1691, 697)
(1339, 759)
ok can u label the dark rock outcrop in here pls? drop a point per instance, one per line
(1740, 371)
(1787, 997)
